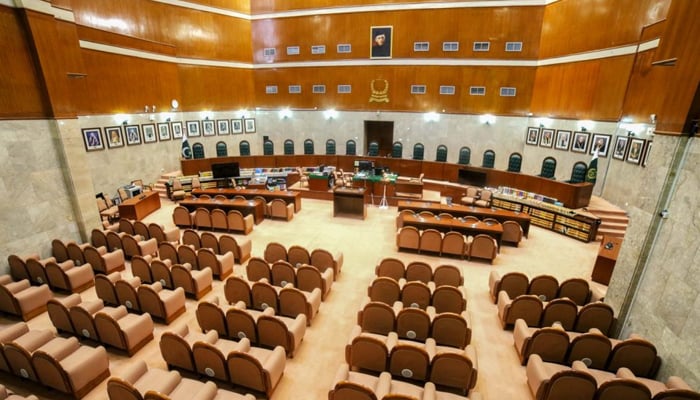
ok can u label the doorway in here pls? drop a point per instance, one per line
(381, 132)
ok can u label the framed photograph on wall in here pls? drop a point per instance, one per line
(563, 140)
(133, 135)
(114, 136)
(223, 126)
(177, 129)
(93, 139)
(634, 154)
(236, 126)
(208, 128)
(580, 142)
(380, 41)
(547, 137)
(647, 150)
(620, 148)
(192, 128)
(249, 125)
(533, 135)
(149, 133)
(163, 131)
(601, 143)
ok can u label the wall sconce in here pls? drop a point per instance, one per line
(331, 113)
(431, 116)
(487, 119)
(285, 113)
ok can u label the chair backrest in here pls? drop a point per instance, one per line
(397, 150)
(350, 148)
(638, 355)
(418, 151)
(308, 146)
(515, 161)
(268, 148)
(275, 251)
(513, 283)
(448, 299)
(451, 329)
(562, 311)
(419, 271)
(368, 353)
(449, 275)
(283, 273)
(198, 150)
(221, 149)
(330, 147)
(385, 290)
(595, 315)
(241, 324)
(209, 240)
(527, 307)
(346, 390)
(141, 228)
(413, 323)
(191, 237)
(210, 317)
(377, 317)
(244, 148)
(238, 289)
(489, 159)
(297, 255)
(545, 287)
(416, 294)
(629, 389)
(264, 296)
(409, 237)
(576, 289)
(592, 348)
(186, 254)
(549, 167)
(441, 153)
(391, 268)
(465, 155)
(373, 149)
(289, 147)
(578, 172)
(409, 361)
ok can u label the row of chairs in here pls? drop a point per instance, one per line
(447, 329)
(554, 344)
(449, 243)
(221, 265)
(354, 385)
(546, 287)
(110, 326)
(477, 197)
(196, 283)
(536, 313)
(287, 301)
(59, 363)
(216, 219)
(62, 277)
(417, 294)
(132, 245)
(152, 230)
(442, 365)
(550, 381)
(241, 247)
(296, 255)
(280, 273)
(138, 382)
(262, 328)
(419, 271)
(161, 304)
(21, 299)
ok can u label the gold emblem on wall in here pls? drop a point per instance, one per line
(379, 96)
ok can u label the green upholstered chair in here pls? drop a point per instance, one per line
(244, 148)
(418, 150)
(373, 149)
(330, 147)
(465, 155)
(397, 150)
(198, 150)
(350, 148)
(489, 159)
(515, 161)
(441, 154)
(308, 146)
(268, 148)
(288, 147)
(221, 149)
(549, 167)
(578, 172)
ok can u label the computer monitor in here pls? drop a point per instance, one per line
(225, 170)
(366, 166)
(133, 190)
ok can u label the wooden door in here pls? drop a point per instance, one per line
(381, 132)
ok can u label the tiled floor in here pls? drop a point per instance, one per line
(309, 374)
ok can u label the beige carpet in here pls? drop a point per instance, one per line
(309, 374)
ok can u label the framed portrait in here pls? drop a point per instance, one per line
(236, 126)
(163, 131)
(647, 150)
(563, 140)
(601, 143)
(546, 137)
(133, 135)
(580, 142)
(93, 139)
(634, 154)
(193, 128)
(249, 125)
(620, 148)
(149, 133)
(533, 134)
(380, 41)
(114, 137)
(223, 127)
(208, 128)
(176, 127)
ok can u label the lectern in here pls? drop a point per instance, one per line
(607, 257)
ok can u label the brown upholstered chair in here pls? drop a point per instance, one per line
(126, 226)
(176, 346)
(410, 360)
(242, 322)
(195, 283)
(211, 316)
(470, 196)
(377, 317)
(123, 331)
(451, 329)
(75, 252)
(68, 277)
(114, 240)
(275, 251)
(177, 192)
(126, 289)
(59, 313)
(391, 268)
(37, 269)
(219, 220)
(454, 369)
(188, 255)
(545, 287)
(159, 232)
(141, 267)
(298, 255)
(202, 218)
(555, 381)
(483, 246)
(134, 247)
(414, 323)
(23, 300)
(629, 389)
(561, 311)
(210, 358)
(107, 211)
(104, 263)
(137, 379)
(674, 388)
(449, 275)
(324, 259)
(59, 251)
(282, 273)
(192, 238)
(408, 237)
(257, 268)
(351, 385)
(449, 299)
(238, 289)
(454, 243)
(241, 247)
(576, 289)
(484, 199)
(430, 241)
(163, 304)
(141, 229)
(368, 351)
(18, 352)
(400, 217)
(512, 233)
(635, 353)
(419, 271)
(161, 271)
(266, 210)
(256, 368)
(416, 294)
(18, 266)
(210, 241)
(82, 316)
(98, 238)
(592, 348)
(238, 223)
(310, 278)
(7, 335)
(264, 295)
(293, 302)
(281, 331)
(221, 265)
(513, 283)
(528, 307)
(278, 208)
(385, 290)
(550, 343)
(595, 315)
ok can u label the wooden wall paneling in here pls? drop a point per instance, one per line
(215, 88)
(647, 87)
(267, 6)
(576, 26)
(433, 169)
(62, 4)
(100, 36)
(21, 88)
(242, 6)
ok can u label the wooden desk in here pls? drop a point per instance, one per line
(319, 182)
(494, 230)
(255, 207)
(140, 206)
(459, 210)
(349, 202)
(268, 195)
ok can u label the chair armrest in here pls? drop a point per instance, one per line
(383, 385)
(341, 374)
(675, 382)
(275, 362)
(114, 312)
(521, 332)
(503, 302)
(494, 279)
(132, 373)
(149, 246)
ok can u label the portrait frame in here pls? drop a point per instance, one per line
(532, 135)
(604, 140)
(176, 128)
(133, 135)
(563, 139)
(114, 137)
(163, 131)
(149, 133)
(249, 125)
(193, 129)
(208, 127)
(236, 126)
(647, 150)
(223, 126)
(579, 144)
(92, 137)
(620, 149)
(546, 137)
(635, 151)
(381, 50)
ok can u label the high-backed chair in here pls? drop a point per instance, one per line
(483, 246)
(470, 196)
(489, 159)
(188, 255)
(385, 290)
(595, 315)
(126, 289)
(456, 370)
(141, 229)
(161, 271)
(237, 289)
(419, 271)
(281, 331)
(242, 322)
(18, 352)
(430, 241)
(377, 317)
(162, 304)
(282, 274)
(441, 153)
(623, 389)
(527, 307)
(23, 300)
(418, 151)
(210, 358)
(209, 240)
(177, 192)
(98, 238)
(59, 251)
(202, 218)
(105, 287)
(82, 316)
(484, 199)
(310, 278)
(278, 208)
(127, 226)
(293, 302)
(18, 266)
(592, 348)
(196, 283)
(137, 379)
(176, 346)
(323, 259)
(257, 269)
(240, 247)
(133, 247)
(141, 267)
(219, 220)
(408, 237)
(545, 287)
(68, 277)
(238, 223)
(550, 343)
(409, 360)
(454, 243)
(191, 237)
(351, 385)
(515, 161)
(107, 211)
(449, 299)
(576, 289)
(414, 323)
(416, 294)
(275, 251)
(578, 172)
(549, 381)
(123, 331)
(512, 233)
(549, 167)
(264, 295)
(562, 311)
(449, 275)
(369, 352)
(513, 283)
(182, 217)
(256, 368)
(635, 353)
(161, 234)
(37, 269)
(298, 255)
(221, 265)
(59, 313)
(104, 263)
(451, 329)
(391, 268)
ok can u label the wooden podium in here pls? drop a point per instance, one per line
(607, 257)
